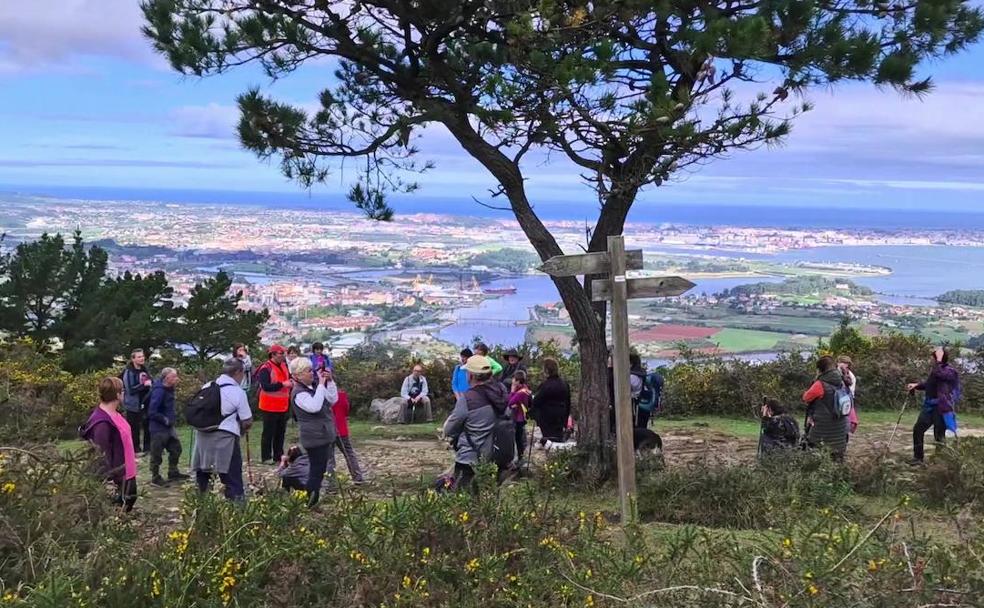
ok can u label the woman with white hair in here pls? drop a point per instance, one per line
(311, 399)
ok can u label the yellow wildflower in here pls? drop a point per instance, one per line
(472, 565)
(180, 540)
(787, 543)
(8, 488)
(812, 589)
(407, 582)
(589, 601)
(463, 518)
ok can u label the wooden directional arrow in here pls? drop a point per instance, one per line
(650, 287)
(588, 263)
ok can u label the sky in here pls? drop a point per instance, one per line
(85, 102)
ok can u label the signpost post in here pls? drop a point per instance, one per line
(619, 290)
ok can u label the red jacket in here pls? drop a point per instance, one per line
(341, 411)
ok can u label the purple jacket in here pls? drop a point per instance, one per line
(101, 432)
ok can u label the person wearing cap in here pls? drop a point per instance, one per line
(514, 363)
(473, 419)
(275, 385)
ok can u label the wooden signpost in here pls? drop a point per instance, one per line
(619, 290)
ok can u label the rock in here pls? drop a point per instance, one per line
(386, 411)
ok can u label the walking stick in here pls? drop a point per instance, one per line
(529, 455)
(888, 446)
(249, 460)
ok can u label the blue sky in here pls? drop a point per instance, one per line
(85, 102)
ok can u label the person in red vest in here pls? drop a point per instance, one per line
(342, 441)
(275, 385)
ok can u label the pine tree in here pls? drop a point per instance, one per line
(212, 321)
(628, 91)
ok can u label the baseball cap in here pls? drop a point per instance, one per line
(477, 364)
(276, 349)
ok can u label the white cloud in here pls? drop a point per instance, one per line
(55, 34)
(212, 121)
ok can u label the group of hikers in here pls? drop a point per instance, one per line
(832, 415)
(488, 422)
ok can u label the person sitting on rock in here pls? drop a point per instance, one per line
(414, 393)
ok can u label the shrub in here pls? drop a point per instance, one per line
(499, 550)
(954, 475)
(774, 493)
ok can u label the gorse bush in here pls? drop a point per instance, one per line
(954, 475)
(505, 549)
(774, 493)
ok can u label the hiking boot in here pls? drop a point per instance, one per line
(158, 481)
(177, 476)
(360, 482)
(915, 462)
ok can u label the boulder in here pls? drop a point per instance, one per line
(386, 411)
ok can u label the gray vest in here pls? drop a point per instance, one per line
(318, 429)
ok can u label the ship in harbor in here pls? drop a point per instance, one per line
(499, 291)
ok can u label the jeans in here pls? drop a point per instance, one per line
(160, 442)
(272, 439)
(139, 423)
(351, 460)
(293, 483)
(927, 418)
(126, 494)
(233, 480)
(642, 418)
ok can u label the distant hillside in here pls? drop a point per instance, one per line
(507, 258)
(799, 286)
(963, 297)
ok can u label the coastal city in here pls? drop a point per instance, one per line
(428, 281)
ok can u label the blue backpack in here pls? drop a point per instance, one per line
(652, 389)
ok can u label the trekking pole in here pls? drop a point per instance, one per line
(529, 455)
(888, 446)
(249, 460)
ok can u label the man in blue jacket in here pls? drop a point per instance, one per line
(163, 436)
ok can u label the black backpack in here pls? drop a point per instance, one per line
(204, 410)
(503, 439)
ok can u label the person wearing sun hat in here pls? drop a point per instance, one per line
(473, 419)
(514, 363)
(275, 385)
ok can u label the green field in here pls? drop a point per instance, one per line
(747, 340)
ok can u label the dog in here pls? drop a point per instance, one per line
(644, 440)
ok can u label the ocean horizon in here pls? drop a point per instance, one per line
(643, 212)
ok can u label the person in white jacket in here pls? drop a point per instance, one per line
(414, 393)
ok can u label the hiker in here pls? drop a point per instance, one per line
(293, 352)
(136, 393)
(482, 349)
(825, 426)
(551, 404)
(240, 352)
(110, 433)
(218, 451)
(779, 431)
(514, 363)
(844, 364)
(311, 400)
(342, 441)
(459, 378)
(275, 385)
(520, 401)
(294, 469)
(472, 421)
(415, 392)
(319, 360)
(941, 391)
(163, 435)
(646, 388)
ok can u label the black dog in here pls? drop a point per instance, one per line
(644, 440)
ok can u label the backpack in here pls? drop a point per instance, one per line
(790, 430)
(843, 402)
(204, 410)
(503, 438)
(652, 385)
